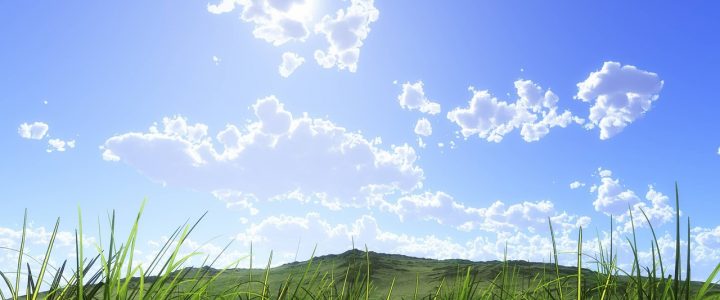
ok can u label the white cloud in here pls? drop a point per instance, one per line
(413, 98)
(534, 112)
(707, 244)
(35, 236)
(224, 6)
(290, 62)
(36, 242)
(60, 145)
(619, 96)
(235, 199)
(274, 233)
(576, 185)
(281, 21)
(216, 60)
(345, 34)
(277, 154)
(34, 131)
(718, 151)
(604, 172)
(442, 208)
(421, 143)
(276, 21)
(423, 127)
(614, 199)
(657, 207)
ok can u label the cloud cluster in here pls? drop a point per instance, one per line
(576, 185)
(60, 145)
(276, 21)
(312, 229)
(281, 21)
(39, 131)
(441, 208)
(612, 197)
(707, 244)
(423, 127)
(290, 62)
(345, 34)
(34, 131)
(413, 98)
(619, 95)
(535, 112)
(615, 199)
(277, 154)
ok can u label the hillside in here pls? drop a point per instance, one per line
(432, 275)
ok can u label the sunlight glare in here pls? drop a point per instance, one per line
(304, 11)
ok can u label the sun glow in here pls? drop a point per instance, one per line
(304, 11)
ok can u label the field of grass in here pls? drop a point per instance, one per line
(355, 274)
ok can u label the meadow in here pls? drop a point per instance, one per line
(355, 274)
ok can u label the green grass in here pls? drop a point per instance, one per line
(355, 274)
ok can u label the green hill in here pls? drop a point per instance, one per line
(407, 276)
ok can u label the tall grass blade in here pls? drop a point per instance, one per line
(709, 281)
(267, 273)
(392, 284)
(636, 262)
(579, 265)
(555, 257)
(80, 258)
(20, 257)
(676, 283)
(46, 260)
(367, 283)
(687, 262)
(657, 245)
(417, 284)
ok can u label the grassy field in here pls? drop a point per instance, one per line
(420, 278)
(355, 274)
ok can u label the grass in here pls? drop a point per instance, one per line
(115, 274)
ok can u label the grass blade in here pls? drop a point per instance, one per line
(676, 283)
(579, 265)
(46, 260)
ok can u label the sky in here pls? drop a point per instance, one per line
(415, 127)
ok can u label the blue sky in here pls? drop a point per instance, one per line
(327, 149)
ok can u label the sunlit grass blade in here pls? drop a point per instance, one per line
(676, 282)
(657, 245)
(16, 292)
(79, 256)
(709, 281)
(579, 264)
(391, 288)
(687, 262)
(555, 258)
